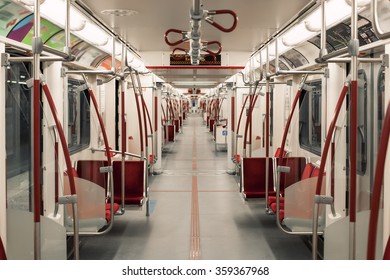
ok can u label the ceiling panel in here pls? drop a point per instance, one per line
(257, 20)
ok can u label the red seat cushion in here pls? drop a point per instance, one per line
(116, 207)
(273, 207)
(272, 199)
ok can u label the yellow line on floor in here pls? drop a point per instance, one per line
(195, 230)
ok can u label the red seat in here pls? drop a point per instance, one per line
(134, 181)
(315, 172)
(116, 205)
(306, 173)
(254, 177)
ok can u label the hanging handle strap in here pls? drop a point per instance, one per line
(178, 31)
(210, 19)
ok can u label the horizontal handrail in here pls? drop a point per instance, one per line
(118, 152)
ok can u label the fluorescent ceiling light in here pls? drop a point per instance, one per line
(55, 11)
(194, 83)
(335, 11)
(108, 47)
(296, 35)
(93, 34)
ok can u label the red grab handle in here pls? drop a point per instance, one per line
(220, 27)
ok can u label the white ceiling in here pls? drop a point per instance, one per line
(257, 21)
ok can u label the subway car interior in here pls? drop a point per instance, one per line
(194, 130)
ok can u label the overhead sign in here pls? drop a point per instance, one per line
(183, 59)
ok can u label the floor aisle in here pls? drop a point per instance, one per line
(197, 212)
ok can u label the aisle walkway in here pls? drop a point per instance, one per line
(197, 212)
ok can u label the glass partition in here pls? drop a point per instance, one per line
(299, 205)
(79, 116)
(18, 137)
(310, 117)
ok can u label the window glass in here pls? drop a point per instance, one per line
(18, 136)
(78, 116)
(310, 117)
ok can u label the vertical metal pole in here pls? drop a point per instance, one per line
(196, 7)
(267, 133)
(36, 143)
(113, 65)
(231, 135)
(67, 49)
(157, 128)
(323, 50)
(354, 50)
(123, 130)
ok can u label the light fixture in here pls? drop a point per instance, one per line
(335, 12)
(29, 2)
(93, 34)
(49, 10)
(194, 83)
(296, 35)
(108, 47)
(360, 3)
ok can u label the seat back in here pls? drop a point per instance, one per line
(90, 170)
(254, 177)
(134, 181)
(307, 172)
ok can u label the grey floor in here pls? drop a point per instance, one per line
(194, 201)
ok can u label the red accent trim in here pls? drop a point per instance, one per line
(353, 151)
(163, 117)
(56, 172)
(287, 127)
(155, 113)
(233, 112)
(329, 136)
(249, 121)
(123, 122)
(145, 121)
(105, 138)
(220, 27)
(195, 67)
(377, 188)
(61, 134)
(37, 151)
(242, 110)
(332, 159)
(267, 128)
(141, 137)
(147, 114)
